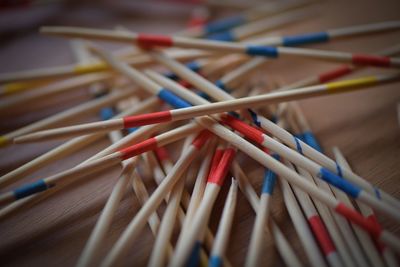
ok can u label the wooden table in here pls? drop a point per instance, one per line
(364, 125)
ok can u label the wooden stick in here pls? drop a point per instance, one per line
(187, 113)
(271, 127)
(76, 69)
(136, 225)
(296, 180)
(52, 89)
(78, 143)
(365, 240)
(283, 246)
(98, 164)
(221, 47)
(224, 227)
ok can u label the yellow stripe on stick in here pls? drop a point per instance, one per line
(348, 84)
(4, 141)
(82, 69)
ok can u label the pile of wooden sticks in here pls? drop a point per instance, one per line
(201, 90)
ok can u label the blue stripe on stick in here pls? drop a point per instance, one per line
(222, 36)
(193, 65)
(30, 189)
(254, 117)
(339, 170)
(194, 257)
(294, 40)
(224, 24)
(310, 139)
(267, 51)
(215, 261)
(339, 182)
(173, 99)
(297, 139)
(106, 113)
(269, 179)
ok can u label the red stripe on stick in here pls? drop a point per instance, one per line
(150, 40)
(321, 234)
(358, 219)
(336, 73)
(218, 176)
(139, 148)
(162, 153)
(201, 139)
(215, 161)
(146, 119)
(370, 60)
(245, 129)
(372, 218)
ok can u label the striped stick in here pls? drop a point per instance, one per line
(283, 246)
(387, 253)
(200, 220)
(322, 231)
(246, 17)
(256, 240)
(148, 41)
(272, 128)
(136, 225)
(77, 69)
(98, 164)
(224, 228)
(314, 168)
(343, 225)
(296, 180)
(190, 112)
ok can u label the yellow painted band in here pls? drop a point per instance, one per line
(15, 87)
(81, 69)
(4, 141)
(335, 86)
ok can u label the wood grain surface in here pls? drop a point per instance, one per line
(364, 125)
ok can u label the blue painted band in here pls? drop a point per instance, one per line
(222, 36)
(173, 99)
(339, 170)
(194, 257)
(297, 139)
(106, 113)
(294, 40)
(220, 85)
(310, 139)
(266, 51)
(254, 117)
(224, 24)
(269, 179)
(204, 95)
(377, 193)
(30, 189)
(274, 119)
(234, 114)
(339, 182)
(215, 261)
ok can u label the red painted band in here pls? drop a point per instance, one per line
(372, 218)
(146, 119)
(162, 153)
(245, 129)
(201, 139)
(218, 176)
(139, 148)
(358, 219)
(321, 234)
(215, 161)
(185, 84)
(371, 60)
(150, 40)
(336, 73)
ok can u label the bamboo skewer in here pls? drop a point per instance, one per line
(135, 226)
(285, 250)
(370, 249)
(296, 180)
(186, 113)
(224, 228)
(99, 164)
(145, 40)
